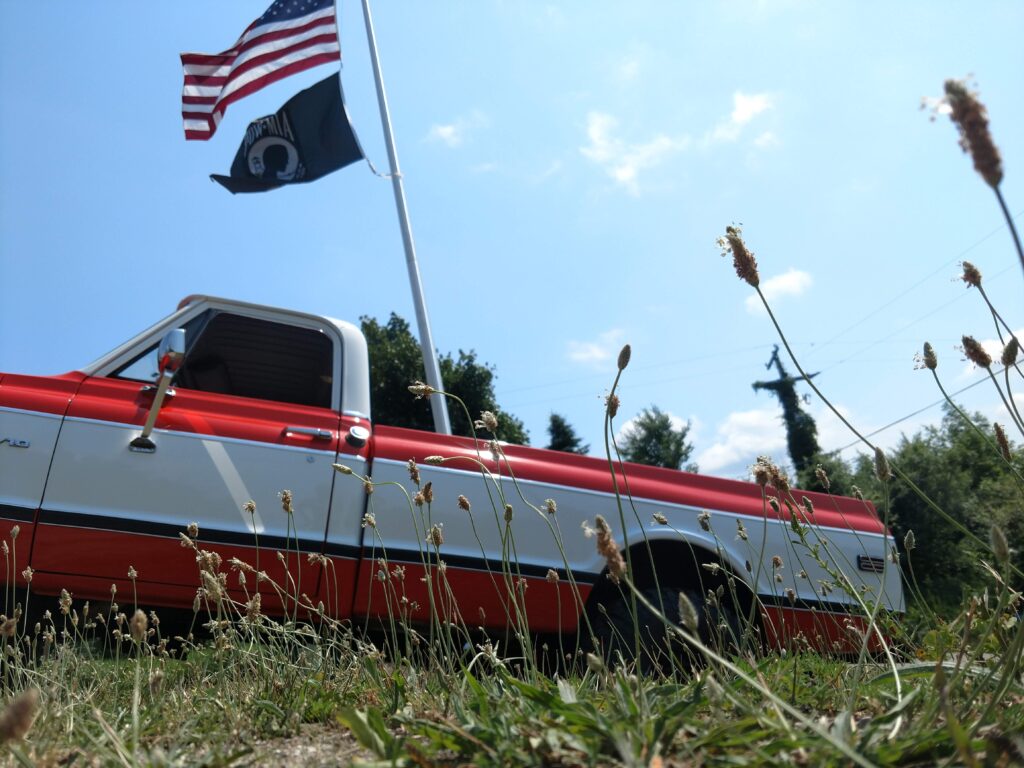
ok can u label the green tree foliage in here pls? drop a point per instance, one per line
(396, 360)
(651, 439)
(564, 437)
(961, 471)
(838, 474)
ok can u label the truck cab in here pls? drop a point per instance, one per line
(265, 400)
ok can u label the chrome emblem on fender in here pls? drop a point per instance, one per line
(15, 442)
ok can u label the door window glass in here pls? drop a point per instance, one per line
(143, 367)
(250, 357)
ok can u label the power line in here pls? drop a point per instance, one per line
(913, 287)
(911, 324)
(912, 415)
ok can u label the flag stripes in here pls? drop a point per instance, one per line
(267, 51)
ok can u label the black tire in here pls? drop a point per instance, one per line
(660, 649)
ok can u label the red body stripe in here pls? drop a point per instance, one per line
(472, 596)
(192, 412)
(826, 632)
(43, 394)
(167, 573)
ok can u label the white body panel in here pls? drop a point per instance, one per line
(23, 467)
(190, 477)
(536, 545)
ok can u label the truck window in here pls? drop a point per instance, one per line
(250, 357)
(143, 367)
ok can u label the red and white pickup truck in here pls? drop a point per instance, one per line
(266, 399)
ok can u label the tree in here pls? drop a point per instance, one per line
(564, 437)
(962, 472)
(651, 439)
(837, 472)
(396, 361)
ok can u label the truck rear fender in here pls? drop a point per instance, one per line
(677, 562)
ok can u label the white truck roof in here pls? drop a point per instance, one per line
(353, 396)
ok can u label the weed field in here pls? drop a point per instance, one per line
(234, 682)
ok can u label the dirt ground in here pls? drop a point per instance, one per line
(318, 744)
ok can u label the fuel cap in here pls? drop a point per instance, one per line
(357, 436)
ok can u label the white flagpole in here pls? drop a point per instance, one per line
(437, 402)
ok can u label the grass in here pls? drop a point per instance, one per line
(105, 685)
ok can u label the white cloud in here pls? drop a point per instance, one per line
(791, 283)
(450, 134)
(767, 140)
(744, 109)
(453, 134)
(553, 169)
(745, 435)
(628, 70)
(621, 160)
(599, 351)
(741, 438)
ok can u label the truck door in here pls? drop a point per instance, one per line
(31, 410)
(254, 412)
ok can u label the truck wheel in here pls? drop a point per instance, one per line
(717, 627)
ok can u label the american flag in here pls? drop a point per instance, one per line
(291, 36)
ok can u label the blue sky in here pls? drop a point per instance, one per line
(568, 168)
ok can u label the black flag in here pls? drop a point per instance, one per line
(307, 138)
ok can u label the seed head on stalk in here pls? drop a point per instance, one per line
(882, 470)
(487, 421)
(609, 550)
(421, 390)
(971, 120)
(743, 260)
(1003, 442)
(17, 718)
(612, 403)
(971, 275)
(687, 613)
(976, 353)
(928, 358)
(1000, 547)
(624, 355)
(139, 626)
(1010, 351)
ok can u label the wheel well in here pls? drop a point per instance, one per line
(680, 565)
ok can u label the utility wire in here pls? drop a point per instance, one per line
(915, 413)
(810, 353)
(916, 285)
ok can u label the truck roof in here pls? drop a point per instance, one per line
(355, 373)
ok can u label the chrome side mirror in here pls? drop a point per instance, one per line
(170, 355)
(171, 352)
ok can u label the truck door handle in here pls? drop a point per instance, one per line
(314, 432)
(152, 388)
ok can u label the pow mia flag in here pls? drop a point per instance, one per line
(309, 137)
